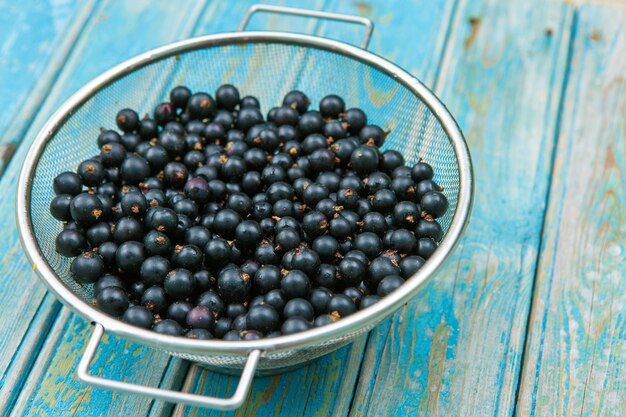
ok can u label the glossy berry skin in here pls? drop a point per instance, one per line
(364, 160)
(354, 293)
(198, 236)
(403, 241)
(157, 243)
(112, 301)
(263, 318)
(298, 307)
(384, 201)
(406, 214)
(286, 115)
(60, 207)
(134, 204)
(331, 106)
(201, 106)
(352, 271)
(178, 310)
(179, 283)
(306, 260)
(91, 173)
(340, 228)
(217, 251)
(389, 284)
(87, 267)
(368, 300)
(200, 317)
(226, 222)
(295, 284)
(249, 101)
(369, 243)
(161, 219)
(188, 257)
(422, 171)
(341, 305)
(213, 302)
(319, 299)
(127, 228)
(138, 316)
(248, 117)
(200, 334)
(155, 299)
(234, 285)
(266, 279)
(179, 96)
(134, 169)
(98, 234)
(288, 239)
(130, 255)
(309, 123)
(112, 154)
(357, 255)
(297, 100)
(426, 247)
(425, 186)
(372, 134)
(324, 320)
(248, 233)
(428, 228)
(434, 203)
(227, 97)
(409, 265)
(154, 269)
(326, 247)
(107, 280)
(374, 222)
(175, 174)
(168, 327)
(355, 119)
(379, 268)
(107, 250)
(70, 243)
(86, 209)
(404, 188)
(108, 136)
(295, 325)
(127, 120)
(67, 183)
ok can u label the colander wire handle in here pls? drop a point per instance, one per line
(369, 25)
(231, 403)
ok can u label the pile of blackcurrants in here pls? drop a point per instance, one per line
(209, 221)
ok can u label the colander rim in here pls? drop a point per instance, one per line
(313, 337)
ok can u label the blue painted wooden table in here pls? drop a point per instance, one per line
(528, 317)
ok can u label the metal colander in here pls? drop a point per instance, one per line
(266, 65)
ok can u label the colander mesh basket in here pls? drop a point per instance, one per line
(267, 71)
(266, 65)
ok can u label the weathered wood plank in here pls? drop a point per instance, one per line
(456, 349)
(576, 351)
(329, 382)
(36, 37)
(103, 43)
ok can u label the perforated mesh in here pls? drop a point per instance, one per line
(268, 71)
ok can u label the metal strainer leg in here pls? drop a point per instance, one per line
(164, 394)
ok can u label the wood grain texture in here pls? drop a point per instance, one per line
(576, 352)
(456, 349)
(103, 43)
(329, 382)
(35, 39)
(54, 389)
